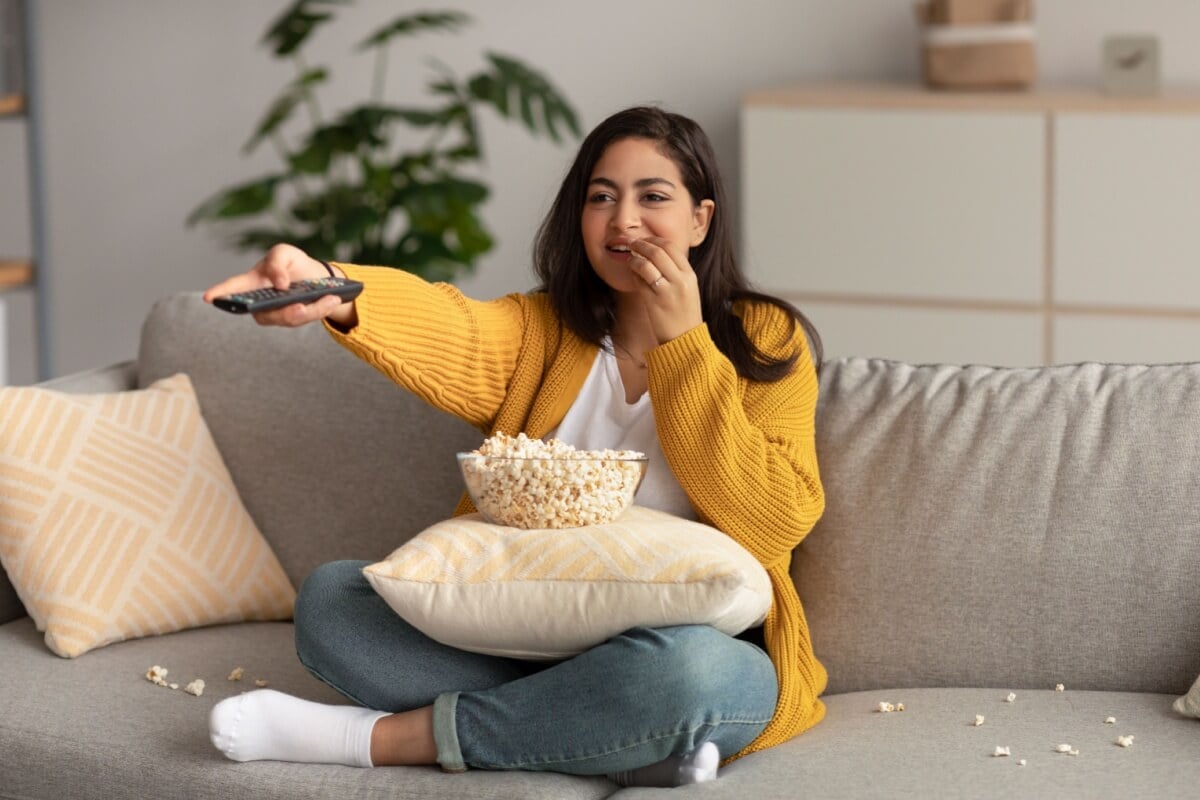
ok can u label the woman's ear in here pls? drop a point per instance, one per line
(701, 218)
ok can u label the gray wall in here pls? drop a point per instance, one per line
(146, 106)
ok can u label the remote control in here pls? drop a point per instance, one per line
(299, 292)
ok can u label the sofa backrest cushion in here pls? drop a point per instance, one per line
(331, 459)
(1006, 527)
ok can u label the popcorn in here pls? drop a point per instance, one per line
(1124, 741)
(1110, 720)
(236, 675)
(886, 708)
(259, 682)
(1021, 763)
(1058, 687)
(1066, 749)
(978, 720)
(899, 706)
(1012, 697)
(530, 483)
(1002, 751)
(158, 676)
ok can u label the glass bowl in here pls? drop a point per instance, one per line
(542, 492)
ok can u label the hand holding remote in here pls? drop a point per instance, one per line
(283, 265)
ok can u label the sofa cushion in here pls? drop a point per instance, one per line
(119, 520)
(332, 459)
(1020, 527)
(121, 736)
(553, 593)
(932, 750)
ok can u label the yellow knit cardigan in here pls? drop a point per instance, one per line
(743, 451)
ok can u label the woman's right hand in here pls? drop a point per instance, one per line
(279, 268)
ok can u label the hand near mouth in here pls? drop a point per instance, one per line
(667, 286)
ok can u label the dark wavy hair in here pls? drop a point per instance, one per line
(587, 305)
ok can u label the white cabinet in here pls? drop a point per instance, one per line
(1002, 228)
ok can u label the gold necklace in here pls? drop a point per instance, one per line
(628, 355)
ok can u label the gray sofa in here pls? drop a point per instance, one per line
(988, 531)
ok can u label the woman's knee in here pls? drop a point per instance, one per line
(327, 588)
(703, 668)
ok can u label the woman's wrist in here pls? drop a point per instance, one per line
(333, 271)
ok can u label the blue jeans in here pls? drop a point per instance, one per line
(632, 701)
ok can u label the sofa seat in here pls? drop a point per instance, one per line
(100, 710)
(131, 738)
(933, 749)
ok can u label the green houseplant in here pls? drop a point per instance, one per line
(348, 188)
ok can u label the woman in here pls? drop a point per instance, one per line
(644, 335)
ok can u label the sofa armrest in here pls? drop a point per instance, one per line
(113, 378)
(120, 377)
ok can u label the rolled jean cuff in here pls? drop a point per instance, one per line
(445, 733)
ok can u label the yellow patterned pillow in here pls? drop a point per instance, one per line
(118, 518)
(542, 594)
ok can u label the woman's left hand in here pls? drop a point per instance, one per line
(668, 287)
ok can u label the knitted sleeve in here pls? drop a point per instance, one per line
(744, 451)
(456, 353)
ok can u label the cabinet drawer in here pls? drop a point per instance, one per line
(1129, 340)
(937, 204)
(928, 335)
(1127, 209)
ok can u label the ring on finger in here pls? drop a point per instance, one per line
(659, 280)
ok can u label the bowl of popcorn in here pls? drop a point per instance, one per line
(530, 483)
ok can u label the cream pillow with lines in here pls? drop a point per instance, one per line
(119, 519)
(552, 593)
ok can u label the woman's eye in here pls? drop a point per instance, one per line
(600, 197)
(655, 197)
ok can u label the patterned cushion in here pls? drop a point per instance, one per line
(119, 520)
(543, 594)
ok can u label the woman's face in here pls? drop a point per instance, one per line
(634, 192)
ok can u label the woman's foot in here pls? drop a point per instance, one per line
(269, 725)
(698, 766)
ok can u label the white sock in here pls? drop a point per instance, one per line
(698, 766)
(1189, 704)
(270, 725)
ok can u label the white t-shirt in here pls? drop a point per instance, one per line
(601, 419)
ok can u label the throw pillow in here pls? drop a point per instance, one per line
(118, 518)
(1189, 704)
(552, 593)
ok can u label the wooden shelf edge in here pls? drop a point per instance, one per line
(15, 273)
(913, 95)
(12, 104)
(930, 303)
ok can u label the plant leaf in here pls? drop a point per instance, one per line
(415, 23)
(283, 105)
(433, 205)
(509, 76)
(242, 200)
(323, 208)
(291, 28)
(328, 141)
(472, 239)
(427, 255)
